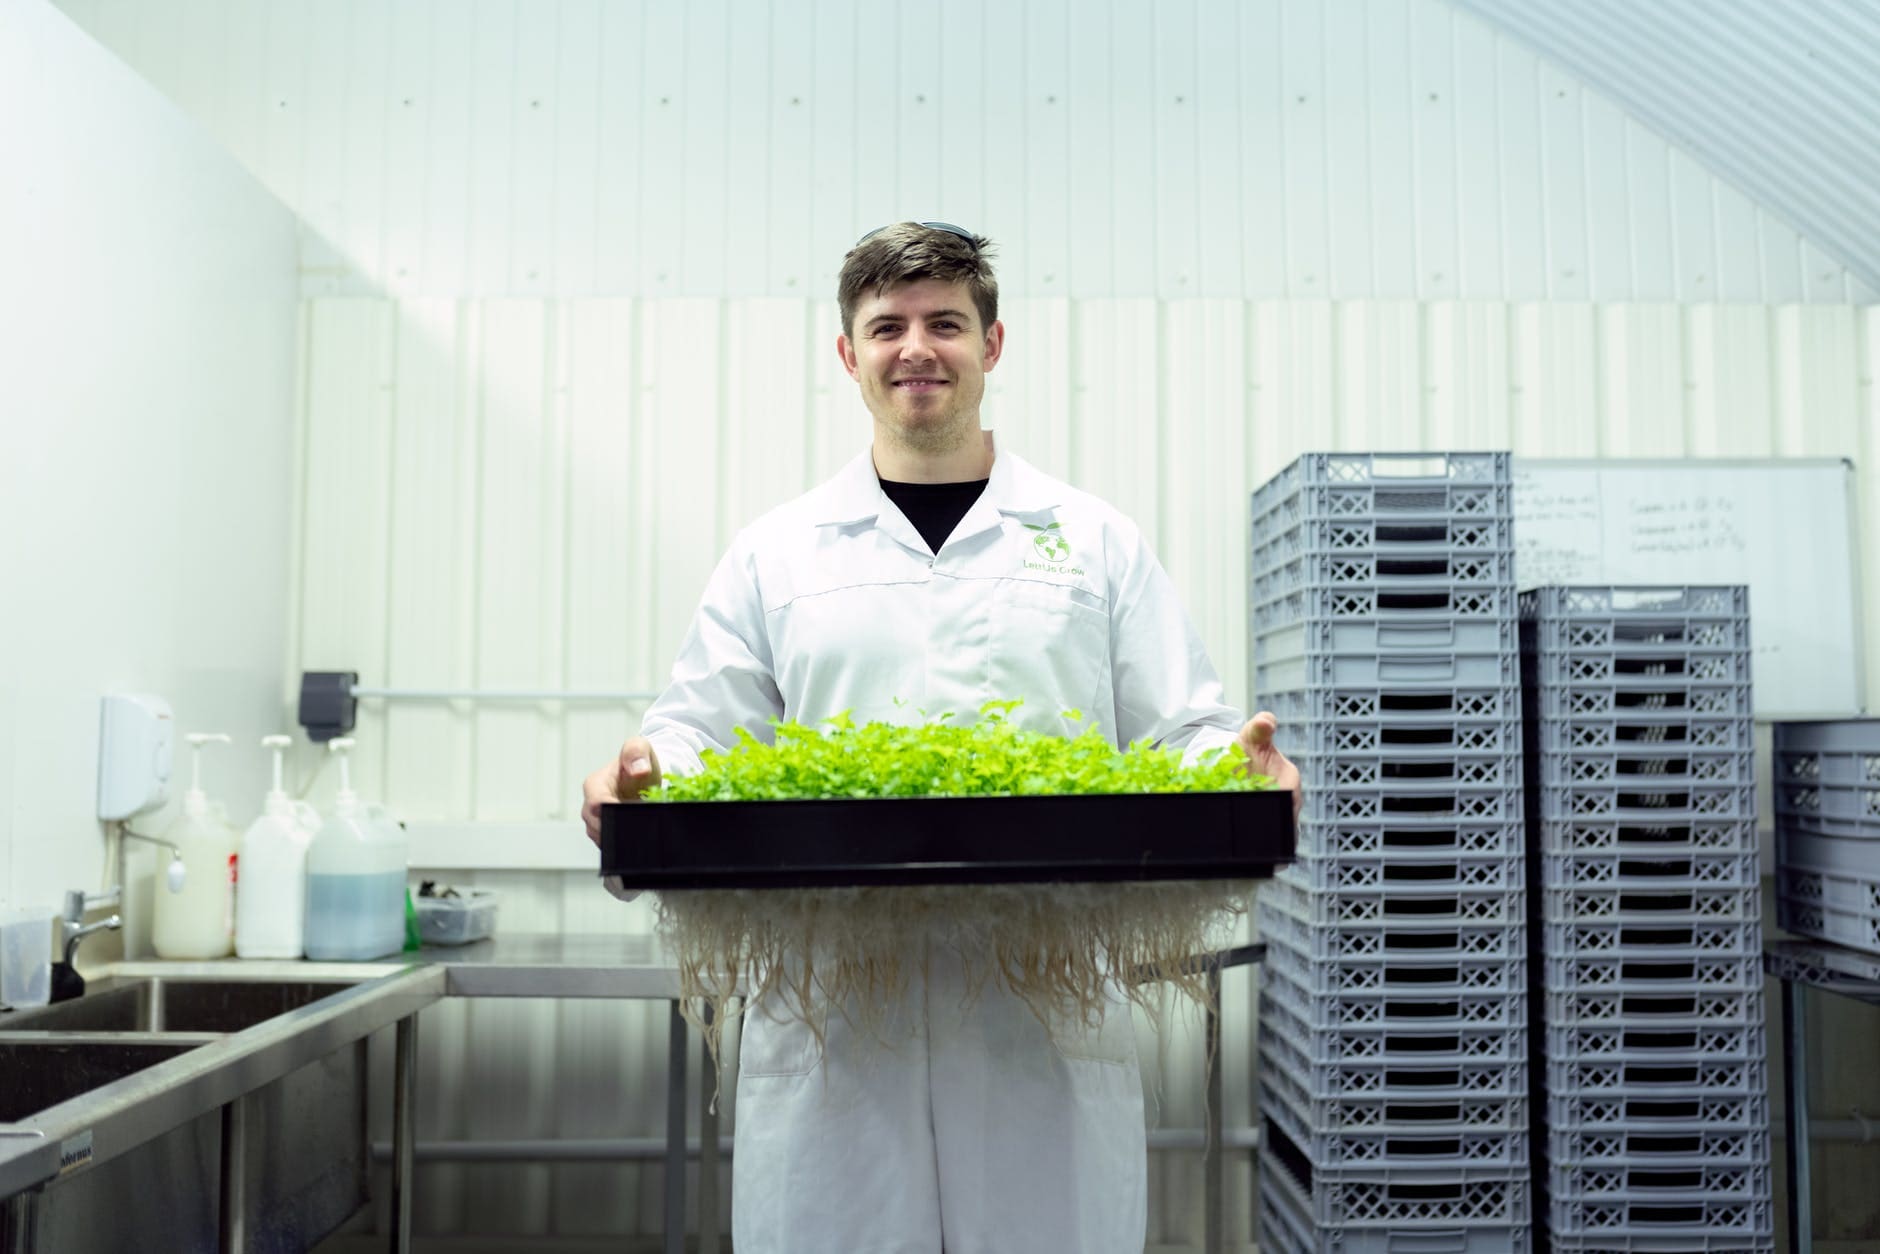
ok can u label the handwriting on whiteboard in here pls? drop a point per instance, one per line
(1557, 539)
(1684, 525)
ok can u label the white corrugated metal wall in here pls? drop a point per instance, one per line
(567, 328)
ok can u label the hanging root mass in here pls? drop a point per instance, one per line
(1063, 949)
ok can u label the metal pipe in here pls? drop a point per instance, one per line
(234, 1209)
(651, 1148)
(1795, 1050)
(675, 1130)
(707, 1140)
(404, 1129)
(19, 1215)
(363, 693)
(1214, 1201)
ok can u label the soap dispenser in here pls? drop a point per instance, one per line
(355, 880)
(271, 886)
(195, 905)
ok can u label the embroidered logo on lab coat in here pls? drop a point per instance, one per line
(1050, 545)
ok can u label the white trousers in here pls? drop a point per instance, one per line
(968, 1129)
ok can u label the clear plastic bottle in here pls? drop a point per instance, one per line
(194, 916)
(355, 881)
(271, 886)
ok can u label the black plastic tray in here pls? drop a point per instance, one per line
(947, 840)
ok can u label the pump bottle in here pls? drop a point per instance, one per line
(271, 887)
(195, 907)
(355, 880)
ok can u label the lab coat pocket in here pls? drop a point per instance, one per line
(776, 1044)
(1050, 645)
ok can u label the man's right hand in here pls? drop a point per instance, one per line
(623, 779)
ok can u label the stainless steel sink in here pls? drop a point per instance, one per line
(172, 1005)
(42, 1073)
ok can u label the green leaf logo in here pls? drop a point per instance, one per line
(1050, 543)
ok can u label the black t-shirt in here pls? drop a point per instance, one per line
(935, 509)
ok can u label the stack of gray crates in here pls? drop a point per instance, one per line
(1651, 1076)
(1828, 831)
(1393, 1021)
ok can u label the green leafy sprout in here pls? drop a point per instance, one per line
(993, 757)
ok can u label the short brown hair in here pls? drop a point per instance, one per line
(907, 252)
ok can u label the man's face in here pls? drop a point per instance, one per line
(921, 357)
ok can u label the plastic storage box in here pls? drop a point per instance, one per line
(457, 920)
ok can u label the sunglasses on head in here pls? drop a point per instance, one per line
(948, 227)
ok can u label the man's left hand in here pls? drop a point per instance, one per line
(1264, 757)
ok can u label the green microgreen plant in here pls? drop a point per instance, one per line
(993, 757)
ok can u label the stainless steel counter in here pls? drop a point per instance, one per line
(90, 1130)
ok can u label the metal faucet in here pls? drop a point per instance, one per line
(74, 929)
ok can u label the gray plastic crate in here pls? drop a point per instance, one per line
(1652, 975)
(1286, 1226)
(1644, 1112)
(1386, 802)
(1623, 1146)
(1390, 1012)
(1500, 907)
(1417, 737)
(1400, 576)
(1400, 975)
(1857, 857)
(1605, 836)
(1648, 767)
(1828, 809)
(1729, 903)
(1286, 1092)
(1335, 707)
(1394, 943)
(1405, 1198)
(1416, 876)
(1725, 630)
(1387, 635)
(1745, 1041)
(1648, 872)
(1672, 938)
(1645, 1242)
(1685, 1216)
(1633, 601)
(1595, 1006)
(1802, 915)
(1726, 733)
(1437, 1148)
(1646, 800)
(1654, 1077)
(1285, 1003)
(1828, 736)
(1640, 669)
(1387, 535)
(1402, 604)
(1410, 842)
(1408, 671)
(1633, 702)
(1393, 1082)
(1414, 474)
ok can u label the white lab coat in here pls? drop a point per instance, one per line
(982, 1125)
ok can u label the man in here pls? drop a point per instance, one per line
(936, 572)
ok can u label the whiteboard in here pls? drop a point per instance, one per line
(1786, 528)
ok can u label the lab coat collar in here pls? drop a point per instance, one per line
(1015, 487)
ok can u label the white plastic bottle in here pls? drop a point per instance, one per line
(355, 881)
(195, 909)
(271, 884)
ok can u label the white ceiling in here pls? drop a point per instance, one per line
(1779, 97)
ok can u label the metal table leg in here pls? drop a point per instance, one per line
(234, 1236)
(19, 1215)
(707, 1146)
(404, 1129)
(675, 1131)
(1795, 1049)
(1214, 1200)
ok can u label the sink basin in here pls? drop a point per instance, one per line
(41, 1074)
(173, 1005)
